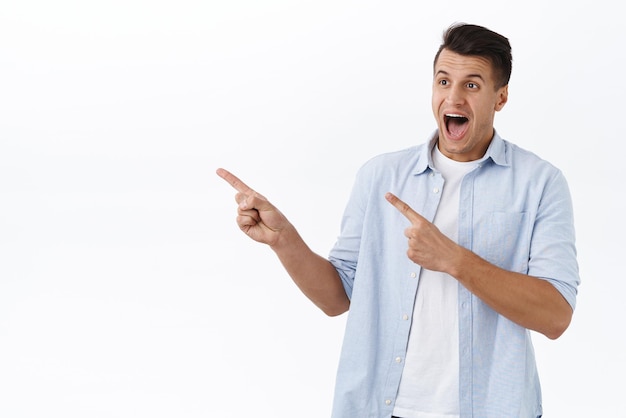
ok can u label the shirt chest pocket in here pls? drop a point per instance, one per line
(503, 239)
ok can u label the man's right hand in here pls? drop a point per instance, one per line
(256, 216)
(313, 274)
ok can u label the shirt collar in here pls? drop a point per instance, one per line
(496, 152)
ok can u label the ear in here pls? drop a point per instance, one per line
(503, 96)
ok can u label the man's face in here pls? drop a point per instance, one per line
(464, 102)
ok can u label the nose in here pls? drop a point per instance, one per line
(455, 95)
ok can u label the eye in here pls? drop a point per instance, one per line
(443, 82)
(472, 85)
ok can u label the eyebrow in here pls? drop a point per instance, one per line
(479, 76)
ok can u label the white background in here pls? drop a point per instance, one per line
(126, 288)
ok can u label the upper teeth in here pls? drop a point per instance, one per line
(452, 115)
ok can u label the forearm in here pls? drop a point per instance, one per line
(528, 301)
(316, 277)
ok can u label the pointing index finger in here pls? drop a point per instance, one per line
(403, 208)
(234, 181)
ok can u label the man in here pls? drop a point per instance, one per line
(439, 316)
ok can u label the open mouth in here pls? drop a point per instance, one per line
(456, 125)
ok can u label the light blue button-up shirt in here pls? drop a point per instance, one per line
(515, 211)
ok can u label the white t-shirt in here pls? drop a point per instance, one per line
(430, 381)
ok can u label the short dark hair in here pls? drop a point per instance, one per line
(466, 39)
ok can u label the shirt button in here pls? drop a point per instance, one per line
(431, 174)
(436, 190)
(388, 402)
(405, 317)
(398, 359)
(413, 274)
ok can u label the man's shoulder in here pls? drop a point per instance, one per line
(522, 158)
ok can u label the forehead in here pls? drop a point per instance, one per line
(457, 65)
